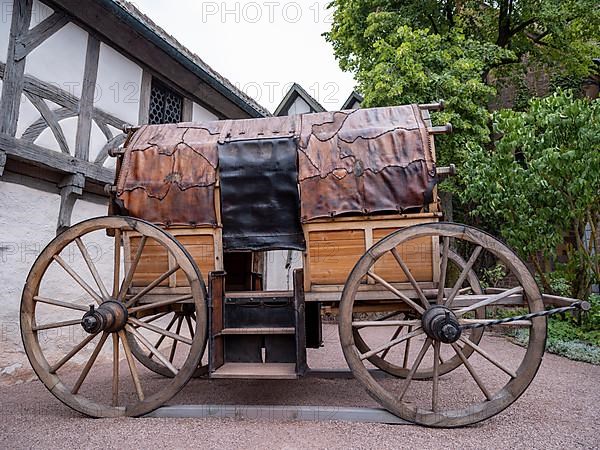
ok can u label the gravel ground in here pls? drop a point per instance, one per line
(561, 409)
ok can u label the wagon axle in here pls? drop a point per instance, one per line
(441, 324)
(111, 316)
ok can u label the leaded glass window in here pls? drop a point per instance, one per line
(165, 105)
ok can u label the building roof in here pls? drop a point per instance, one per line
(297, 91)
(150, 29)
(355, 97)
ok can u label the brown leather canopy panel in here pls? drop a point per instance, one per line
(169, 174)
(362, 162)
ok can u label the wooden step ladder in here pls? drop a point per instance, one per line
(256, 334)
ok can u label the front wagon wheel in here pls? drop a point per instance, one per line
(77, 310)
(496, 373)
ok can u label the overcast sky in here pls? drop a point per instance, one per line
(261, 46)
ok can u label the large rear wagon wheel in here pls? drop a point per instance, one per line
(76, 300)
(497, 372)
(396, 363)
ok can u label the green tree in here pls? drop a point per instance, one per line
(541, 183)
(417, 51)
(404, 51)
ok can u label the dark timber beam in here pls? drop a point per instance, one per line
(21, 150)
(71, 188)
(38, 34)
(51, 121)
(13, 74)
(86, 104)
(145, 90)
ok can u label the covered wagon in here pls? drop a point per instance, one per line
(179, 290)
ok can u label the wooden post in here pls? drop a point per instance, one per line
(301, 366)
(13, 81)
(71, 187)
(145, 91)
(187, 110)
(86, 104)
(216, 298)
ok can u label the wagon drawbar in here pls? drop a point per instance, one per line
(193, 212)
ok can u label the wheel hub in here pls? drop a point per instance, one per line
(111, 316)
(441, 324)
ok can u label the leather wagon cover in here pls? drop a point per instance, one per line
(259, 195)
(364, 161)
(358, 162)
(169, 173)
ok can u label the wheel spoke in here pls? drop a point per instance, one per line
(51, 301)
(86, 287)
(394, 336)
(385, 323)
(152, 285)
(471, 370)
(414, 368)
(410, 277)
(117, 263)
(489, 300)
(72, 353)
(152, 349)
(49, 326)
(115, 380)
(396, 292)
(390, 344)
(132, 368)
(162, 338)
(463, 275)
(443, 269)
(174, 346)
(161, 303)
(435, 383)
(188, 319)
(174, 336)
(92, 267)
(133, 266)
(487, 356)
(158, 316)
(407, 349)
(89, 364)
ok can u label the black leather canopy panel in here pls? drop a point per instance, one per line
(259, 195)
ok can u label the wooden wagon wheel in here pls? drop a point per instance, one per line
(398, 368)
(454, 399)
(178, 318)
(120, 387)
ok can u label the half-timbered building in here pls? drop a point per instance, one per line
(72, 74)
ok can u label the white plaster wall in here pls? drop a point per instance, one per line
(61, 59)
(278, 277)
(28, 216)
(97, 142)
(69, 127)
(5, 21)
(200, 114)
(299, 107)
(47, 140)
(118, 85)
(39, 12)
(27, 115)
